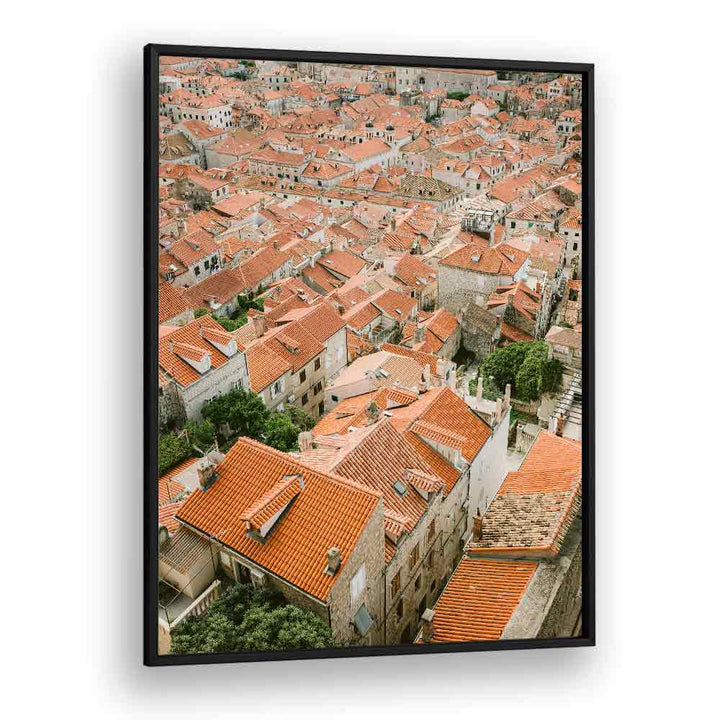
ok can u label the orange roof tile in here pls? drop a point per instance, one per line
(264, 366)
(480, 599)
(502, 259)
(188, 341)
(536, 505)
(329, 511)
(171, 302)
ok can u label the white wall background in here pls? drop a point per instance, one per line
(72, 352)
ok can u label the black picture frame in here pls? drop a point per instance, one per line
(152, 53)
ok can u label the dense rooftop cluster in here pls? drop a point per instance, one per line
(352, 241)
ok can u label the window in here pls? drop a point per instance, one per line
(431, 531)
(317, 388)
(418, 582)
(321, 407)
(305, 399)
(415, 555)
(317, 363)
(395, 587)
(197, 269)
(207, 264)
(357, 584)
(303, 376)
(399, 610)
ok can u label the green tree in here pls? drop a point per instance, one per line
(172, 449)
(303, 419)
(230, 324)
(249, 618)
(281, 432)
(503, 364)
(283, 628)
(201, 435)
(525, 365)
(200, 312)
(241, 409)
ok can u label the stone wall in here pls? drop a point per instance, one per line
(216, 382)
(369, 550)
(419, 582)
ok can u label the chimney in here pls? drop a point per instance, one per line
(334, 558)
(477, 526)
(305, 441)
(428, 626)
(372, 412)
(506, 399)
(258, 322)
(498, 409)
(560, 425)
(276, 245)
(206, 473)
(452, 380)
(479, 390)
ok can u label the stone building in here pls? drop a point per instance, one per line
(471, 273)
(521, 573)
(198, 362)
(313, 536)
(480, 330)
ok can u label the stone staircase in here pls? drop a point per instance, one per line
(566, 419)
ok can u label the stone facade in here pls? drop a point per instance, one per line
(234, 373)
(419, 580)
(457, 287)
(368, 552)
(480, 330)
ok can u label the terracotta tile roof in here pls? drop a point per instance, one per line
(557, 335)
(502, 259)
(512, 333)
(442, 324)
(171, 302)
(322, 321)
(480, 599)
(329, 511)
(343, 263)
(189, 340)
(260, 266)
(446, 471)
(536, 505)
(169, 489)
(357, 346)
(413, 272)
(264, 366)
(221, 287)
(238, 203)
(395, 304)
(323, 278)
(193, 247)
(166, 516)
(420, 357)
(293, 343)
(274, 500)
(442, 408)
(378, 457)
(361, 315)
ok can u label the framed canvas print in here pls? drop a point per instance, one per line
(369, 390)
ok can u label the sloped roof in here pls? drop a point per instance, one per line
(329, 511)
(480, 598)
(536, 505)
